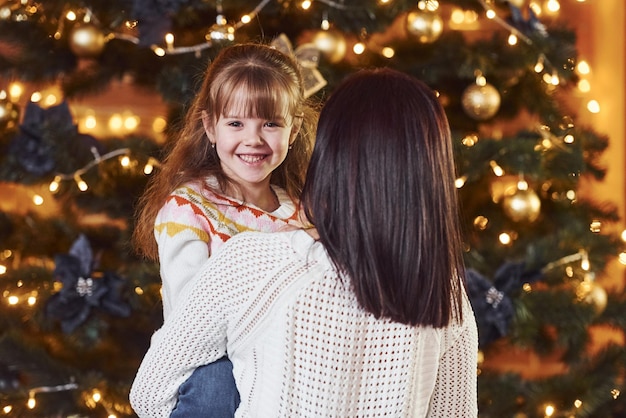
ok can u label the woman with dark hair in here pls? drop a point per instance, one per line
(363, 315)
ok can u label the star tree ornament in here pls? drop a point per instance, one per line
(481, 101)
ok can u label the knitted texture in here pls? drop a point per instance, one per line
(195, 222)
(300, 344)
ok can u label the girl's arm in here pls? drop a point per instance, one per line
(182, 235)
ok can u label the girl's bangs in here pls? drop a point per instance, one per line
(256, 98)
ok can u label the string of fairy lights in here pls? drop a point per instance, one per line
(481, 100)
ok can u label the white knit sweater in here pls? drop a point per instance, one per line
(300, 344)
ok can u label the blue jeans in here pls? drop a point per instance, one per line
(210, 391)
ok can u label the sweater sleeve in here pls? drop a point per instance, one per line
(193, 335)
(455, 393)
(182, 235)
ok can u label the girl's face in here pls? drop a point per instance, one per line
(250, 148)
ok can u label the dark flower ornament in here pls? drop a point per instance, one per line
(35, 145)
(83, 289)
(491, 299)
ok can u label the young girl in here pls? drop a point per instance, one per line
(366, 315)
(238, 164)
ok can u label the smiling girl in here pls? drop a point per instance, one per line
(238, 164)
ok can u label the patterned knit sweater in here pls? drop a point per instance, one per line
(300, 344)
(195, 221)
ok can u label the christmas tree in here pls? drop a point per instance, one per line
(78, 306)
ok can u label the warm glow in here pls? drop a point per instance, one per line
(245, 19)
(80, 183)
(96, 396)
(583, 67)
(306, 4)
(3, 269)
(32, 300)
(131, 122)
(512, 40)
(553, 6)
(13, 300)
(497, 170)
(568, 139)
(125, 161)
(37, 200)
(90, 122)
(159, 124)
(54, 186)
(116, 122)
(490, 14)
(504, 238)
(584, 86)
(549, 410)
(593, 106)
(388, 52)
(460, 182)
(15, 91)
(160, 52)
(359, 48)
(31, 403)
(7, 409)
(457, 16)
(70, 16)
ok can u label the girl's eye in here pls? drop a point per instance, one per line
(273, 124)
(235, 124)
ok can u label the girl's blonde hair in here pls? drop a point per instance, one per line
(272, 82)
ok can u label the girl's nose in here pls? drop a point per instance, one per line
(253, 137)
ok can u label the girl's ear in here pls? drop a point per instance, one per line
(207, 122)
(295, 129)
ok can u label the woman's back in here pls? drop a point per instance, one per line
(302, 346)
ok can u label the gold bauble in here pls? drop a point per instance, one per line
(221, 33)
(521, 205)
(517, 3)
(597, 297)
(331, 44)
(86, 40)
(425, 26)
(481, 102)
(9, 114)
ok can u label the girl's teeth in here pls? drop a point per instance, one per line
(251, 158)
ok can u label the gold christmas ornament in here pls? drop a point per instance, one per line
(517, 3)
(481, 102)
(221, 31)
(9, 113)
(86, 40)
(521, 205)
(331, 44)
(592, 293)
(424, 25)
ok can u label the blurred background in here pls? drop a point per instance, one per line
(91, 91)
